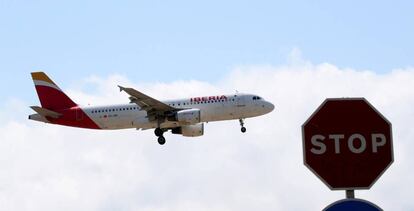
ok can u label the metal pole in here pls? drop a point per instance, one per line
(350, 194)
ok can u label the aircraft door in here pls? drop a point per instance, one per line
(79, 114)
(240, 105)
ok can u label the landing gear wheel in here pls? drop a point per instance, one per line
(161, 140)
(243, 129)
(158, 132)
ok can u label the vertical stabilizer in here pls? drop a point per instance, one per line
(50, 95)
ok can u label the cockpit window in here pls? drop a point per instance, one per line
(256, 98)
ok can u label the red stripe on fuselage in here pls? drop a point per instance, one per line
(74, 117)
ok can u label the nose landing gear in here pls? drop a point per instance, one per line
(243, 129)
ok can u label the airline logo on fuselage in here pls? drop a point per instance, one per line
(208, 98)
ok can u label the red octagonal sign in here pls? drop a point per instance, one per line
(347, 143)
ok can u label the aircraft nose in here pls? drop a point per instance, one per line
(268, 107)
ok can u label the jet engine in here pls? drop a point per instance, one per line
(188, 116)
(190, 130)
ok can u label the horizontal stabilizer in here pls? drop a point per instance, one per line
(46, 112)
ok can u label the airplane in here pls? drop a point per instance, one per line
(181, 116)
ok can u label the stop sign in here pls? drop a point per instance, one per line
(347, 143)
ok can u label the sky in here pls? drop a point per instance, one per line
(293, 53)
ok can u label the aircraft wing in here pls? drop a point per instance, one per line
(147, 103)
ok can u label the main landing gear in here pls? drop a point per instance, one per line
(243, 129)
(159, 133)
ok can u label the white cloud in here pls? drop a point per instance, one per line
(47, 167)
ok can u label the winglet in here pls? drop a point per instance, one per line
(121, 88)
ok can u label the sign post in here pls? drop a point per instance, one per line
(347, 143)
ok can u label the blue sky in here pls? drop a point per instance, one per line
(150, 41)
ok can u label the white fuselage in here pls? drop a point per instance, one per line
(238, 106)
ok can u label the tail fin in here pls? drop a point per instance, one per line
(50, 95)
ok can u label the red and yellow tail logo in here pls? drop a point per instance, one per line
(50, 95)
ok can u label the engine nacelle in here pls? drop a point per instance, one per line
(189, 116)
(190, 130)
